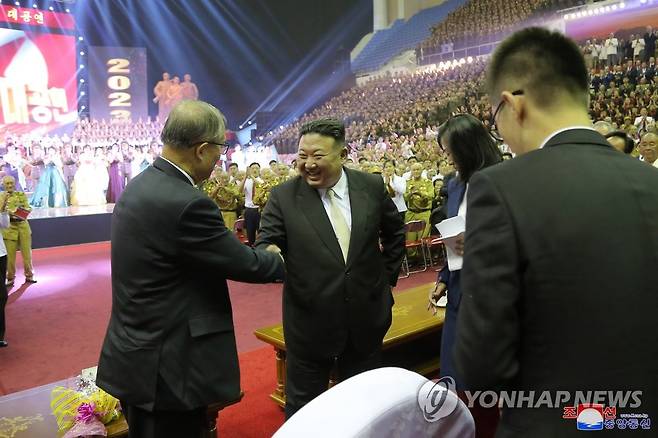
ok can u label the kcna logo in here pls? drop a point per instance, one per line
(437, 399)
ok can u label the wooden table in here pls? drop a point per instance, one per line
(413, 341)
(27, 414)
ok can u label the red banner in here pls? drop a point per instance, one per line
(36, 17)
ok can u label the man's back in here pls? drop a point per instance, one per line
(171, 311)
(561, 243)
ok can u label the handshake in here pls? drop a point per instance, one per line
(276, 250)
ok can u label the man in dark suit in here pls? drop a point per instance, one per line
(170, 349)
(329, 223)
(556, 293)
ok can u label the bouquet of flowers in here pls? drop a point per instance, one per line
(85, 410)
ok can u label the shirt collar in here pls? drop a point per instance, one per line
(559, 131)
(187, 175)
(340, 188)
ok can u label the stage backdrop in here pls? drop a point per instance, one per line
(117, 88)
(37, 81)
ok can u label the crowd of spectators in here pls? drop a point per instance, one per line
(485, 21)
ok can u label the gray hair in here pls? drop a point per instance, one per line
(191, 122)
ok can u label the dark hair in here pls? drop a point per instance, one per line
(333, 128)
(471, 146)
(272, 161)
(362, 159)
(191, 122)
(542, 63)
(629, 144)
(413, 157)
(389, 161)
(254, 164)
(233, 164)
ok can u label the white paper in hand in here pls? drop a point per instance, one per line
(450, 229)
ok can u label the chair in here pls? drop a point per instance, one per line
(382, 403)
(414, 227)
(433, 242)
(239, 228)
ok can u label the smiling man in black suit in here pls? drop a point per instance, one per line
(170, 349)
(329, 223)
(559, 244)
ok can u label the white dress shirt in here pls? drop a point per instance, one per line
(249, 192)
(181, 171)
(4, 223)
(568, 128)
(342, 198)
(399, 186)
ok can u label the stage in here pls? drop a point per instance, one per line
(70, 225)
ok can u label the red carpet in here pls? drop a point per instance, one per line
(55, 328)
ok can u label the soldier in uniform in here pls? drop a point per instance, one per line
(418, 196)
(264, 187)
(226, 195)
(19, 234)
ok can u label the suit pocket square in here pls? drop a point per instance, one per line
(205, 325)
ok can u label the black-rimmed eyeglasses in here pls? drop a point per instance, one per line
(223, 145)
(493, 130)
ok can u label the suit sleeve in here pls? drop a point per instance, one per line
(391, 235)
(205, 241)
(272, 228)
(486, 349)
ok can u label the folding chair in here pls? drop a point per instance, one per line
(414, 227)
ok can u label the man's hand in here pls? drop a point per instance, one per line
(276, 250)
(273, 248)
(435, 295)
(459, 245)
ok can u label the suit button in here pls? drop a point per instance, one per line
(347, 299)
(347, 273)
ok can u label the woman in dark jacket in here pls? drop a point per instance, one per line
(471, 148)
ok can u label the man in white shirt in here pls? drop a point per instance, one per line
(644, 122)
(251, 211)
(396, 186)
(611, 46)
(638, 47)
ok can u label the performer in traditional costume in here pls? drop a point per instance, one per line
(51, 190)
(87, 186)
(116, 182)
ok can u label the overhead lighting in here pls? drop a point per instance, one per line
(82, 93)
(68, 11)
(83, 107)
(82, 66)
(82, 81)
(80, 38)
(82, 53)
(622, 5)
(17, 3)
(51, 8)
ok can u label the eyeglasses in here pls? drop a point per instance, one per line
(223, 145)
(492, 130)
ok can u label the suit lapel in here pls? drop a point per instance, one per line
(310, 204)
(360, 207)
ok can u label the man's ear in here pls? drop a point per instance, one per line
(517, 105)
